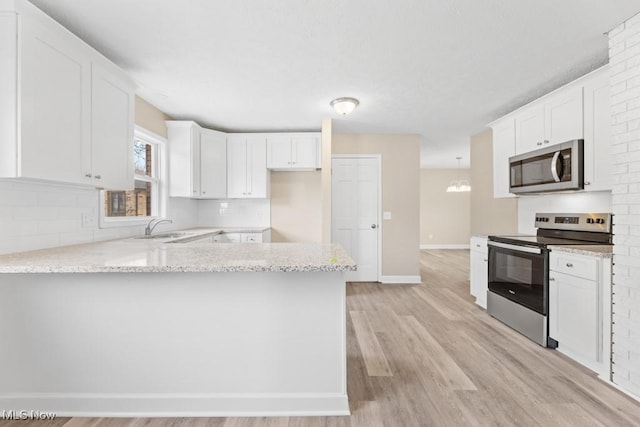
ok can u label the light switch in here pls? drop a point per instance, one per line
(386, 215)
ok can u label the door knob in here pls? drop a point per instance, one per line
(373, 225)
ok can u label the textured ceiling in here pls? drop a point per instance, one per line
(440, 69)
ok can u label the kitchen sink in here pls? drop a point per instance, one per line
(174, 235)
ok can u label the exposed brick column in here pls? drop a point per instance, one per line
(624, 54)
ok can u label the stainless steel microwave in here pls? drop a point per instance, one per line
(555, 168)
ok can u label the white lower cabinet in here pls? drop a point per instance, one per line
(479, 270)
(241, 238)
(579, 308)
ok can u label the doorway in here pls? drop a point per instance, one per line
(356, 212)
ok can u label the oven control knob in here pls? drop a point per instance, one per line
(590, 221)
(599, 220)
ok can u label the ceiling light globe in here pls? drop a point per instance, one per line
(345, 105)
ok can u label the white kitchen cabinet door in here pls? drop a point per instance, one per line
(9, 100)
(597, 132)
(574, 316)
(236, 166)
(257, 179)
(304, 152)
(184, 158)
(563, 116)
(55, 85)
(503, 148)
(213, 164)
(292, 151)
(112, 117)
(479, 276)
(251, 237)
(279, 151)
(530, 129)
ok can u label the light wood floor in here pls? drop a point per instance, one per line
(425, 355)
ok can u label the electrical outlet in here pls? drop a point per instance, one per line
(88, 219)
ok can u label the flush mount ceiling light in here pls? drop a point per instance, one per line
(459, 186)
(344, 105)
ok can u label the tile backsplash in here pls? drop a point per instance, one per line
(38, 215)
(234, 213)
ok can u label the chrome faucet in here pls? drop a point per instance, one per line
(153, 223)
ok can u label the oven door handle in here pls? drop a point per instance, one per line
(517, 248)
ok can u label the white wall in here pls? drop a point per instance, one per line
(234, 213)
(528, 206)
(624, 52)
(37, 216)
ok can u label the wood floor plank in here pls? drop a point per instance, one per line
(372, 354)
(428, 350)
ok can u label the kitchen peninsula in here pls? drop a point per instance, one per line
(141, 328)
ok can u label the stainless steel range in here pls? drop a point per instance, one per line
(518, 292)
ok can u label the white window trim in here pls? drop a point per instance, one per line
(161, 189)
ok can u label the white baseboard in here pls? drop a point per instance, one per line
(178, 405)
(466, 246)
(401, 280)
(622, 390)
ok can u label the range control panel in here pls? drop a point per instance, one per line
(600, 222)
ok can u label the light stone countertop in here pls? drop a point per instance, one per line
(600, 251)
(153, 256)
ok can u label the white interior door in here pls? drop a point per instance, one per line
(355, 213)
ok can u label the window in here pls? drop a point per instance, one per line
(147, 198)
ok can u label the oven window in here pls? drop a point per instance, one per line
(519, 277)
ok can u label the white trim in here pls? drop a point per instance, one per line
(401, 280)
(181, 405)
(160, 191)
(379, 158)
(465, 246)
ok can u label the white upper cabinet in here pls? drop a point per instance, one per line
(197, 161)
(66, 111)
(213, 164)
(529, 129)
(553, 120)
(112, 118)
(504, 146)
(597, 132)
(563, 116)
(293, 151)
(53, 86)
(579, 110)
(247, 166)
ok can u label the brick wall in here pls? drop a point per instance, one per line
(624, 54)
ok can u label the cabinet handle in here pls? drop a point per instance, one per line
(587, 183)
(204, 192)
(546, 141)
(552, 279)
(485, 260)
(538, 143)
(477, 246)
(97, 177)
(88, 175)
(569, 265)
(244, 194)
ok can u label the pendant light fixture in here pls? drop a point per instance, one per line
(344, 105)
(459, 186)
